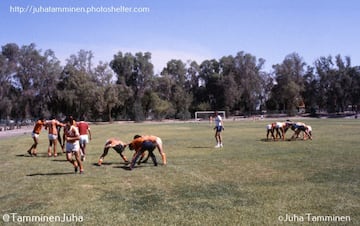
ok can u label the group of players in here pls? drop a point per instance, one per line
(77, 134)
(73, 142)
(140, 144)
(277, 130)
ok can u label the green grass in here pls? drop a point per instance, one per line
(248, 182)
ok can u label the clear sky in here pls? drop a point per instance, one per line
(187, 29)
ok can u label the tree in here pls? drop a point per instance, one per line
(180, 96)
(77, 85)
(311, 90)
(210, 79)
(135, 72)
(30, 77)
(289, 83)
(8, 61)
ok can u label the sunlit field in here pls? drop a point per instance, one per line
(250, 181)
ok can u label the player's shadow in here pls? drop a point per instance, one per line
(267, 140)
(199, 147)
(24, 155)
(39, 155)
(49, 174)
(126, 167)
(59, 160)
(106, 164)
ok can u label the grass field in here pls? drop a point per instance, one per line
(248, 182)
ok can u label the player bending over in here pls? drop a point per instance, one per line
(140, 145)
(270, 130)
(117, 145)
(301, 127)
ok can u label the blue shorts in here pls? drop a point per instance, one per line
(218, 128)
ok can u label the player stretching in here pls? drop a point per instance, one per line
(117, 145)
(35, 135)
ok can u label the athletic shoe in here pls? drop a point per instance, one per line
(83, 158)
(55, 155)
(221, 145)
(81, 171)
(29, 153)
(76, 169)
(217, 146)
(100, 162)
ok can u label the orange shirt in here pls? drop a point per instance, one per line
(137, 143)
(150, 138)
(38, 126)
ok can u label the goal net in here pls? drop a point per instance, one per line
(207, 115)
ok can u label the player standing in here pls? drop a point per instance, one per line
(85, 136)
(35, 135)
(219, 127)
(72, 137)
(51, 126)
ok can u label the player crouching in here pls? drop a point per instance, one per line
(299, 127)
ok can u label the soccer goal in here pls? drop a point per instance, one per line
(207, 115)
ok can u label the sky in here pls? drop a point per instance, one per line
(186, 29)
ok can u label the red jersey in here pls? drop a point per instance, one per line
(83, 127)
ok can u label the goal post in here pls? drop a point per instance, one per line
(205, 115)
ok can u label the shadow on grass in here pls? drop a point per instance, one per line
(42, 155)
(199, 147)
(48, 174)
(125, 167)
(107, 164)
(279, 140)
(59, 160)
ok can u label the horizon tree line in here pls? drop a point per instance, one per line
(33, 83)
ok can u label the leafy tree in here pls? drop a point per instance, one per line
(77, 85)
(311, 90)
(8, 59)
(180, 96)
(135, 72)
(289, 83)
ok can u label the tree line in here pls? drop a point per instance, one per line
(33, 83)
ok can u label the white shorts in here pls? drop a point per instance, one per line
(84, 139)
(158, 141)
(279, 125)
(72, 147)
(34, 135)
(268, 127)
(52, 136)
